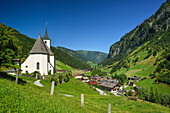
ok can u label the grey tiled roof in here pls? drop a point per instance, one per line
(108, 84)
(46, 37)
(39, 47)
(49, 51)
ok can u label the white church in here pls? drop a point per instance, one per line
(40, 58)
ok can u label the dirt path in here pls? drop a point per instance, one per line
(37, 83)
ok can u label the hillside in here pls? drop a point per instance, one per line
(94, 56)
(144, 51)
(86, 56)
(74, 54)
(150, 29)
(24, 44)
(31, 98)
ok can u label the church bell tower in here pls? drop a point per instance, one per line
(46, 38)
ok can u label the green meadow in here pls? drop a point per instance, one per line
(31, 98)
(148, 83)
(62, 66)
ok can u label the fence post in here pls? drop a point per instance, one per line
(109, 108)
(36, 76)
(16, 81)
(52, 87)
(82, 100)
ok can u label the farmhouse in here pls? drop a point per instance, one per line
(85, 79)
(40, 58)
(110, 86)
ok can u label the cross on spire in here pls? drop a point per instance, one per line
(46, 24)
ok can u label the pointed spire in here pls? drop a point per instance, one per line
(46, 28)
(46, 37)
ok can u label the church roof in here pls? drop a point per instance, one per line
(46, 37)
(49, 51)
(40, 47)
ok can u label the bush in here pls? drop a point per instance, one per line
(165, 78)
(55, 80)
(4, 75)
(60, 79)
(122, 78)
(153, 96)
(66, 79)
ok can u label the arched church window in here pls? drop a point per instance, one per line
(38, 65)
(45, 42)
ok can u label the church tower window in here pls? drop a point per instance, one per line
(38, 65)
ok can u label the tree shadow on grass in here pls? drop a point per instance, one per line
(4, 75)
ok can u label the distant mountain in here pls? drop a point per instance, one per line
(94, 56)
(74, 54)
(145, 50)
(86, 56)
(25, 44)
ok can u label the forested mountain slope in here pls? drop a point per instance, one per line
(145, 51)
(74, 54)
(95, 56)
(86, 56)
(150, 29)
(10, 36)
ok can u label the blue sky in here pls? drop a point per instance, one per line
(77, 24)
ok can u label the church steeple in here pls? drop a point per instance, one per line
(46, 38)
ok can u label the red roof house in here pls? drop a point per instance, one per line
(93, 82)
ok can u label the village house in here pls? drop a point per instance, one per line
(132, 83)
(85, 79)
(95, 77)
(79, 78)
(132, 90)
(93, 82)
(40, 58)
(77, 74)
(132, 80)
(110, 86)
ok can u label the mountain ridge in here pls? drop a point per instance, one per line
(95, 56)
(85, 55)
(155, 25)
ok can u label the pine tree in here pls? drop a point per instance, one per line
(152, 94)
(157, 96)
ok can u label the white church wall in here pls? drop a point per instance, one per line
(30, 64)
(52, 62)
(47, 42)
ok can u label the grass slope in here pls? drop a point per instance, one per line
(148, 83)
(31, 98)
(62, 66)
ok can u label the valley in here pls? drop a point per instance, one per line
(135, 74)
